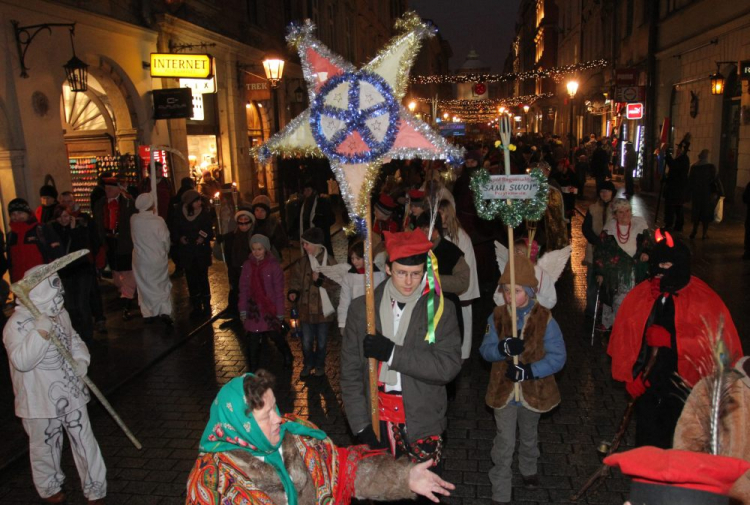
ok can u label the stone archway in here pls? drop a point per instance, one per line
(11, 166)
(121, 93)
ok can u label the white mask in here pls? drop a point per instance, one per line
(47, 296)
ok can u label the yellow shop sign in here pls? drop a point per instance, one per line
(195, 66)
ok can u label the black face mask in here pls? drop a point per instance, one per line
(678, 275)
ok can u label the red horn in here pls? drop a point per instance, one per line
(670, 240)
(658, 236)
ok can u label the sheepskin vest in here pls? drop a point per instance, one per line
(539, 395)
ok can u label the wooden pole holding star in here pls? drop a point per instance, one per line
(357, 122)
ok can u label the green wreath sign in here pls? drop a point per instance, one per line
(517, 210)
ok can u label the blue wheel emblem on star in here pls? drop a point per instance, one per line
(355, 103)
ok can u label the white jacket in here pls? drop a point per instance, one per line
(353, 286)
(44, 384)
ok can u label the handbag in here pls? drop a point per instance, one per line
(719, 210)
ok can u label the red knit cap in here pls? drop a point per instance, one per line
(416, 195)
(682, 469)
(406, 243)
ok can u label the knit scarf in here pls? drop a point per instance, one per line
(391, 295)
(231, 426)
(325, 301)
(260, 306)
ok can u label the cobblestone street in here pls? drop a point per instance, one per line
(162, 386)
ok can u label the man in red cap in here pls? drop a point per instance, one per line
(418, 356)
(384, 221)
(678, 477)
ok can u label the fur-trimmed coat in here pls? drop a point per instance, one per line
(320, 472)
(691, 433)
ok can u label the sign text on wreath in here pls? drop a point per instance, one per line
(510, 187)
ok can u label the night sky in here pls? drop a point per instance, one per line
(488, 26)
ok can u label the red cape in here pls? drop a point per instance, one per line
(693, 303)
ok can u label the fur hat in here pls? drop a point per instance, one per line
(190, 196)
(262, 240)
(245, 213)
(314, 236)
(262, 201)
(525, 275)
(48, 190)
(19, 205)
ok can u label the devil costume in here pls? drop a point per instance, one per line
(50, 397)
(669, 311)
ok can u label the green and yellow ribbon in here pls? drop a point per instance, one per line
(432, 289)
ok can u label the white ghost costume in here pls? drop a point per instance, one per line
(50, 397)
(151, 259)
(464, 243)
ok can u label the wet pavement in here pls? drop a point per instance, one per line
(162, 386)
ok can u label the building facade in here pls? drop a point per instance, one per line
(48, 131)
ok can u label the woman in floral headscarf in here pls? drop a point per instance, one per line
(247, 448)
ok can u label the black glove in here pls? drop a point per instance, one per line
(519, 372)
(378, 347)
(283, 327)
(367, 436)
(511, 346)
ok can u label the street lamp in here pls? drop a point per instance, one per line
(274, 68)
(717, 82)
(572, 87)
(526, 118)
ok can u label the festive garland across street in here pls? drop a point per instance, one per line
(555, 73)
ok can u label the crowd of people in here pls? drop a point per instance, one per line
(429, 246)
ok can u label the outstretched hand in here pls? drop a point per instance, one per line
(426, 483)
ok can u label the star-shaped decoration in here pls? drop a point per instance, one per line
(355, 118)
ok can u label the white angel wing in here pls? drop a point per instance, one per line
(335, 272)
(553, 262)
(501, 254)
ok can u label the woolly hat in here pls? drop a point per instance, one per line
(674, 476)
(144, 202)
(262, 240)
(19, 205)
(48, 190)
(111, 181)
(187, 183)
(525, 275)
(406, 243)
(245, 213)
(190, 196)
(314, 236)
(262, 201)
(385, 204)
(474, 155)
(608, 185)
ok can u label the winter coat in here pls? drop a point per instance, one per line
(701, 183)
(71, 240)
(352, 287)
(322, 474)
(734, 438)
(597, 215)
(273, 286)
(30, 244)
(620, 270)
(271, 228)
(194, 254)
(544, 350)
(425, 368)
(308, 300)
(122, 234)
(44, 384)
(676, 180)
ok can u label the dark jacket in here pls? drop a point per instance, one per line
(193, 254)
(308, 292)
(676, 180)
(71, 240)
(425, 368)
(122, 234)
(701, 182)
(30, 236)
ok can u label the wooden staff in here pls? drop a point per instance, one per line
(370, 310)
(604, 471)
(504, 127)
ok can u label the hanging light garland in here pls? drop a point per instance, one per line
(554, 73)
(513, 101)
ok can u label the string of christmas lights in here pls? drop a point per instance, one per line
(554, 72)
(490, 103)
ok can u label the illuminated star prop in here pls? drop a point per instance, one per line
(355, 118)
